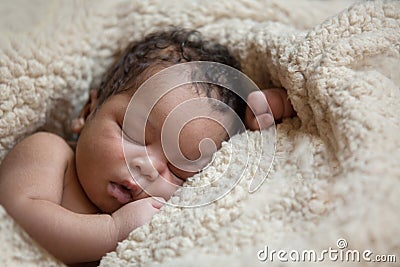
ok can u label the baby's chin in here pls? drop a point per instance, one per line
(108, 208)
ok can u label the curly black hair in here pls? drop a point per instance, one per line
(163, 49)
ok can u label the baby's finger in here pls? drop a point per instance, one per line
(157, 202)
(257, 102)
(264, 120)
(260, 122)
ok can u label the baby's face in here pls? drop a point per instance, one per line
(104, 151)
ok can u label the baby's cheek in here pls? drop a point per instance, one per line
(163, 188)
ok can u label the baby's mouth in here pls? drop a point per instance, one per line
(123, 193)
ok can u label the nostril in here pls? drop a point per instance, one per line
(143, 167)
(154, 175)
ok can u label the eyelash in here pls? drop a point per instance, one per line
(130, 139)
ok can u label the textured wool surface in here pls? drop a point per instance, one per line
(335, 173)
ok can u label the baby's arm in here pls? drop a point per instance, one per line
(279, 105)
(31, 189)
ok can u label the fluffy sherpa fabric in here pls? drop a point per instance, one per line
(335, 174)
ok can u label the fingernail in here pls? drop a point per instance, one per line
(160, 199)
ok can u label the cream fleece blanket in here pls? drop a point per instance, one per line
(335, 174)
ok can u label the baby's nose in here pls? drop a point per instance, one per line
(144, 167)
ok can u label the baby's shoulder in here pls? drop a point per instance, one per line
(38, 162)
(45, 135)
(43, 145)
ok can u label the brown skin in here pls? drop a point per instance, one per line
(61, 198)
(279, 104)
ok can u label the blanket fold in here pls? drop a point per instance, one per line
(335, 174)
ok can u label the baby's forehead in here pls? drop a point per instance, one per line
(179, 79)
(197, 130)
(180, 119)
(180, 96)
(189, 116)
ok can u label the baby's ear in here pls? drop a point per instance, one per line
(78, 123)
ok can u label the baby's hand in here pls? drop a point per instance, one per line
(135, 214)
(258, 115)
(279, 103)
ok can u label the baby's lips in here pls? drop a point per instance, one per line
(134, 188)
(119, 193)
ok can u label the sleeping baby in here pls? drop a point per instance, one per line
(78, 203)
